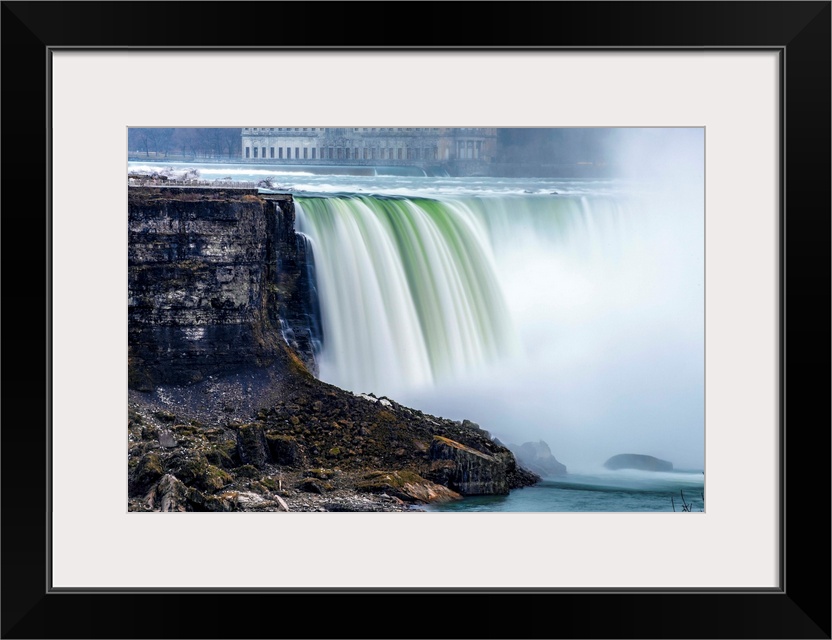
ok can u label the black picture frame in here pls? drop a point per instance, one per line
(800, 608)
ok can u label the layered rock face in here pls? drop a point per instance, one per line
(291, 277)
(468, 470)
(213, 277)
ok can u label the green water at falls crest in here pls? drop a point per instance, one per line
(408, 289)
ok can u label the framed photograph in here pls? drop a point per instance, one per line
(502, 281)
(745, 87)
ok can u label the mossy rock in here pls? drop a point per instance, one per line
(223, 454)
(185, 429)
(214, 479)
(193, 469)
(315, 486)
(258, 487)
(221, 503)
(198, 501)
(247, 471)
(170, 494)
(270, 483)
(321, 473)
(187, 466)
(148, 470)
(150, 432)
(165, 416)
(296, 365)
(395, 479)
(406, 485)
(251, 445)
(286, 450)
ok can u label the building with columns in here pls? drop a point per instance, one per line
(461, 151)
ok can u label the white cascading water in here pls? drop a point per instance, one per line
(576, 319)
(409, 292)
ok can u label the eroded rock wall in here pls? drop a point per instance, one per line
(213, 276)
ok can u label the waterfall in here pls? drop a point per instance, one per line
(575, 318)
(408, 288)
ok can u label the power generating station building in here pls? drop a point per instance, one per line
(458, 150)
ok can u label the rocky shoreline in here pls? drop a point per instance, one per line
(309, 446)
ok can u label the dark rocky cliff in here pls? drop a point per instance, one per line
(215, 277)
(225, 411)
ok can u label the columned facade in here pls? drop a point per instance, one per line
(419, 146)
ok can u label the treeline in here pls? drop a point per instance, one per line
(179, 142)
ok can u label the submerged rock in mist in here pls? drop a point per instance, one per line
(538, 458)
(638, 461)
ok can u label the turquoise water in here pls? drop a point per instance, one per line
(621, 491)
